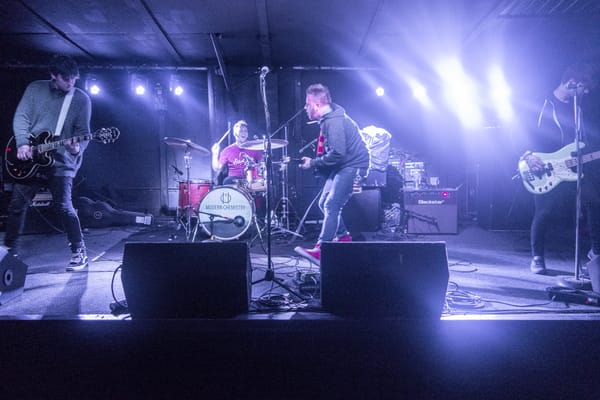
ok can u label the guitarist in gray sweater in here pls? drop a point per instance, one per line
(556, 129)
(38, 114)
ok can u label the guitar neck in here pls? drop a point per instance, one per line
(584, 159)
(45, 147)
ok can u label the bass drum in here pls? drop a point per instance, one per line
(226, 212)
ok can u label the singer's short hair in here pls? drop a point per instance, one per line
(320, 92)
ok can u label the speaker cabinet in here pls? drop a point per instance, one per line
(186, 280)
(384, 279)
(363, 210)
(431, 211)
(12, 276)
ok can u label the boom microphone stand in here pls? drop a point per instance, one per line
(270, 273)
(576, 282)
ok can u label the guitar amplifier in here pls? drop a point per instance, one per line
(431, 211)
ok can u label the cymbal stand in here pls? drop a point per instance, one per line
(270, 272)
(187, 226)
(284, 201)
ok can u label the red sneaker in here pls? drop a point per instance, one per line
(313, 255)
(345, 238)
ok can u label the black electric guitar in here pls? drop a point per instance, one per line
(41, 145)
(558, 166)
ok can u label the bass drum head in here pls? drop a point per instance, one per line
(231, 210)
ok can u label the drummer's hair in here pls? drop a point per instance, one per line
(239, 124)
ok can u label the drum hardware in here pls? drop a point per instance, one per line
(260, 144)
(185, 219)
(283, 226)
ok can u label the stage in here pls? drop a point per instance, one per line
(499, 334)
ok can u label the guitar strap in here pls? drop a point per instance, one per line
(321, 144)
(63, 112)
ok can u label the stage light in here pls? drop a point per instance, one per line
(138, 84)
(379, 91)
(419, 92)
(460, 92)
(92, 86)
(175, 86)
(500, 93)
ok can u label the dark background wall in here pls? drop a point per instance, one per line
(134, 173)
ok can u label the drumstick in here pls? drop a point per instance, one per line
(224, 136)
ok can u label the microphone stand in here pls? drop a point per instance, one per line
(270, 272)
(576, 282)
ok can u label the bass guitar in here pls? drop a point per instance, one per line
(41, 145)
(558, 167)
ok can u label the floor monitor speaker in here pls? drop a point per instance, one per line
(384, 279)
(12, 276)
(186, 280)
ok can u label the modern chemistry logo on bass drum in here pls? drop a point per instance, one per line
(41, 146)
(226, 212)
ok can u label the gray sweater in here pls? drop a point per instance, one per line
(38, 112)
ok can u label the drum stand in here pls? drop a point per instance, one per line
(187, 224)
(284, 201)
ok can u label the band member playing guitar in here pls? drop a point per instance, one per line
(342, 157)
(56, 106)
(556, 134)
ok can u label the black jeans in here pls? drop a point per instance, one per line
(23, 193)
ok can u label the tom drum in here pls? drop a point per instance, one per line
(198, 188)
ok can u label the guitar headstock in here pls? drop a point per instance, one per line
(106, 135)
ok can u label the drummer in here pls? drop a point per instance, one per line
(240, 164)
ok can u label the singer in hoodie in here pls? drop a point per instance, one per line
(342, 158)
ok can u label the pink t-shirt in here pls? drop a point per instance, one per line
(234, 157)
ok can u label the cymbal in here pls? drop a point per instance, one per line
(185, 144)
(260, 144)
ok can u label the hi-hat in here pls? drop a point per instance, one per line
(260, 144)
(185, 144)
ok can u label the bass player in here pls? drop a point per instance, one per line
(556, 128)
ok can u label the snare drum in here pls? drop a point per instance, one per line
(198, 188)
(226, 212)
(257, 181)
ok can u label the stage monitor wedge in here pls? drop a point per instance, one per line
(384, 279)
(186, 280)
(12, 276)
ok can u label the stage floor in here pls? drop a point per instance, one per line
(502, 336)
(489, 276)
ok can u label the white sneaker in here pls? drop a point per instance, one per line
(79, 261)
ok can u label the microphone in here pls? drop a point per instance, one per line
(239, 221)
(572, 86)
(264, 71)
(177, 170)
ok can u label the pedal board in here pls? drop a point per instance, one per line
(574, 296)
(308, 282)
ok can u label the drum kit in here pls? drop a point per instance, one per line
(223, 212)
